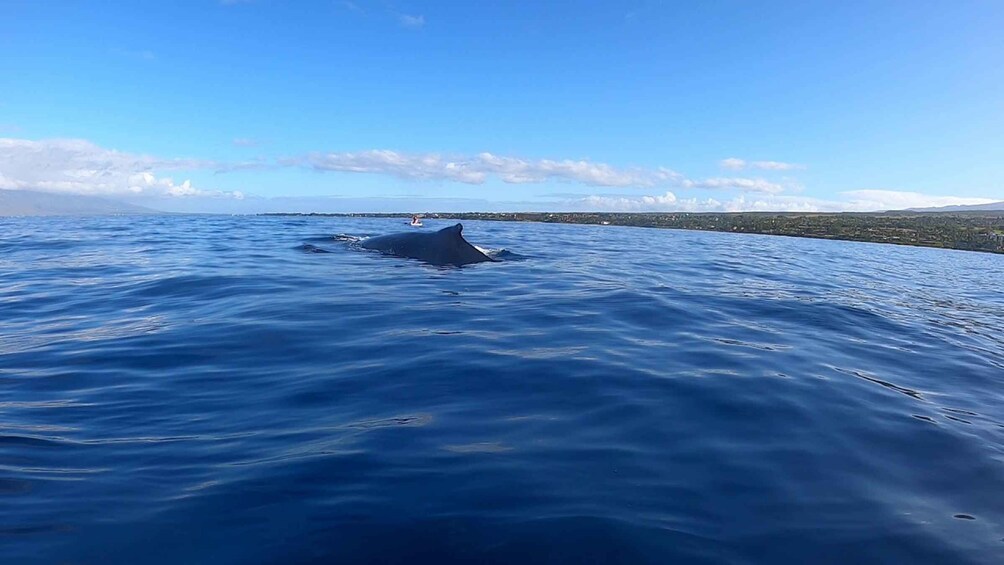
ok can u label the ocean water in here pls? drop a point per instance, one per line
(186, 389)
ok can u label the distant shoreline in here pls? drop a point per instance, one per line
(968, 231)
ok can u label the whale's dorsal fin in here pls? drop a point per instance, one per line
(455, 229)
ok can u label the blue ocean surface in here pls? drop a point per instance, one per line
(259, 390)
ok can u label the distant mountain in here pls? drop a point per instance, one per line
(991, 207)
(31, 203)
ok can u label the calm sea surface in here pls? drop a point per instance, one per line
(209, 390)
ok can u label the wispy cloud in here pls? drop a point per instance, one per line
(407, 20)
(899, 200)
(736, 183)
(350, 6)
(477, 169)
(736, 164)
(775, 166)
(732, 163)
(246, 142)
(513, 170)
(81, 167)
(665, 201)
(850, 201)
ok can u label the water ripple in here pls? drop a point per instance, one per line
(258, 390)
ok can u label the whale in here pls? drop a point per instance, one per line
(444, 247)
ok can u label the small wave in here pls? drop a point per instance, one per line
(12, 440)
(501, 254)
(397, 421)
(39, 529)
(891, 386)
(481, 447)
(308, 248)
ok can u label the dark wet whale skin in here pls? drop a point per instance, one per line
(444, 247)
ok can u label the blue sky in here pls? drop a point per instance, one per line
(636, 105)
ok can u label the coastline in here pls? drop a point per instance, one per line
(966, 231)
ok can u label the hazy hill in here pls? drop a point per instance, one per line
(992, 207)
(31, 203)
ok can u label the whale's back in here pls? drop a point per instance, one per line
(444, 247)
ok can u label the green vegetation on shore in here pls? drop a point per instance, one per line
(970, 231)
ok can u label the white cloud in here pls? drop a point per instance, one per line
(416, 167)
(246, 142)
(667, 201)
(73, 165)
(736, 164)
(513, 170)
(775, 166)
(851, 201)
(411, 21)
(732, 164)
(520, 171)
(81, 167)
(737, 183)
(899, 200)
